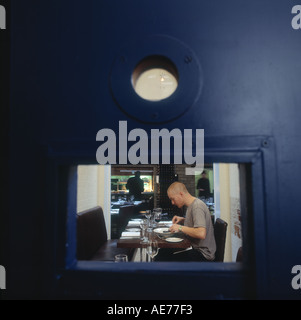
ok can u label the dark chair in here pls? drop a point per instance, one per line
(239, 256)
(92, 239)
(126, 213)
(115, 226)
(220, 232)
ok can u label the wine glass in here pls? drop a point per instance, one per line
(143, 226)
(159, 210)
(148, 215)
(152, 249)
(158, 217)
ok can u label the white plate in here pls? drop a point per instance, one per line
(174, 240)
(162, 230)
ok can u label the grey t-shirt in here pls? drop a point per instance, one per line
(198, 215)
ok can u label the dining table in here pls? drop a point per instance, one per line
(130, 238)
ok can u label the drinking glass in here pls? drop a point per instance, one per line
(143, 226)
(158, 217)
(159, 210)
(121, 258)
(148, 215)
(152, 249)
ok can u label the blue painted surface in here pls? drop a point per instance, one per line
(62, 57)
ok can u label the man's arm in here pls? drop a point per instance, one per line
(142, 186)
(177, 219)
(128, 185)
(198, 233)
(200, 186)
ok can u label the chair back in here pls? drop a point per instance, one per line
(239, 256)
(220, 232)
(125, 215)
(91, 232)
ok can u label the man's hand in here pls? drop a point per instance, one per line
(175, 228)
(177, 220)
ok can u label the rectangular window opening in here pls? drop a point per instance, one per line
(229, 198)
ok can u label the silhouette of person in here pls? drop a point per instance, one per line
(135, 185)
(204, 186)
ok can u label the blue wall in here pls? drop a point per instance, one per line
(65, 55)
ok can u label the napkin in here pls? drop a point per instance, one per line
(134, 223)
(128, 234)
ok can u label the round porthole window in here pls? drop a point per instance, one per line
(155, 78)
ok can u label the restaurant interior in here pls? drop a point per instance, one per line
(102, 190)
(67, 70)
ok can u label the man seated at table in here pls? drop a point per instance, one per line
(197, 226)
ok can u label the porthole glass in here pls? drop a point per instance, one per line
(155, 78)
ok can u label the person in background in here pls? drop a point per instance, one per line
(203, 186)
(197, 226)
(135, 185)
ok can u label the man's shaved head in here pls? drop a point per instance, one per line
(176, 188)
